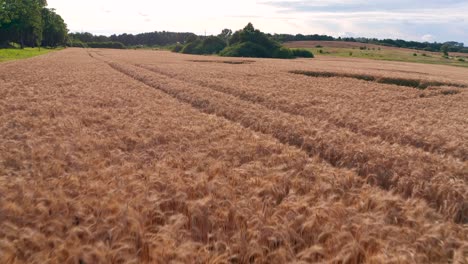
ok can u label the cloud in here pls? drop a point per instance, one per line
(361, 5)
(444, 20)
(428, 38)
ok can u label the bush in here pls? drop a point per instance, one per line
(212, 45)
(461, 59)
(246, 49)
(283, 53)
(192, 47)
(106, 45)
(415, 55)
(302, 53)
(177, 48)
(248, 42)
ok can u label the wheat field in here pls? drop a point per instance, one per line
(111, 156)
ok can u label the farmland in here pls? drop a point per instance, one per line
(139, 156)
(379, 52)
(15, 54)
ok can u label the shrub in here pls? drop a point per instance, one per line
(209, 45)
(177, 47)
(283, 53)
(461, 59)
(192, 47)
(248, 42)
(350, 53)
(414, 54)
(302, 53)
(212, 45)
(246, 49)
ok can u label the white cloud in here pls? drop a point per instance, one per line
(428, 38)
(443, 22)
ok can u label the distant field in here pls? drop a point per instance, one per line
(15, 54)
(141, 156)
(378, 52)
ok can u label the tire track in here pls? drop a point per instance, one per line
(383, 165)
(268, 102)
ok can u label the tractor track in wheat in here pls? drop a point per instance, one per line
(383, 165)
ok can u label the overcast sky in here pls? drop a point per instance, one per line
(421, 20)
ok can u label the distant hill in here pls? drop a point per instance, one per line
(310, 44)
(451, 46)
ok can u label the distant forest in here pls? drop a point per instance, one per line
(165, 38)
(152, 39)
(453, 46)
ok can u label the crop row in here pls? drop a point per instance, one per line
(406, 171)
(311, 103)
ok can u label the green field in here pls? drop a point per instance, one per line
(16, 54)
(391, 55)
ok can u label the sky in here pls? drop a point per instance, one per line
(420, 20)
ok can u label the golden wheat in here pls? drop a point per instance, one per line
(103, 161)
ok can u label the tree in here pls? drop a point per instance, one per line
(22, 21)
(444, 49)
(225, 34)
(54, 28)
(251, 42)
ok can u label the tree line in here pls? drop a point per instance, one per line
(165, 38)
(150, 39)
(30, 23)
(452, 46)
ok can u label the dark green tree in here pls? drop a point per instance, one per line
(54, 28)
(445, 49)
(225, 34)
(21, 21)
